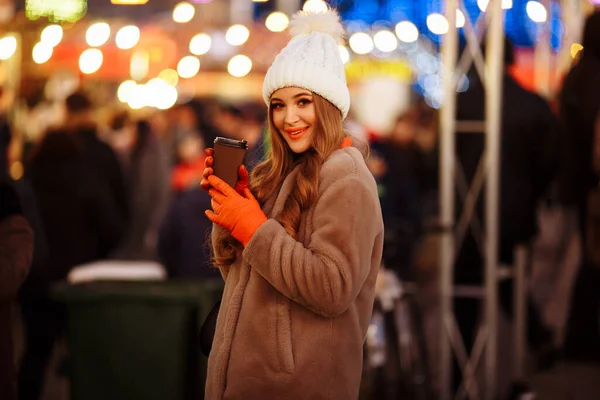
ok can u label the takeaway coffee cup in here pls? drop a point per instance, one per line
(229, 155)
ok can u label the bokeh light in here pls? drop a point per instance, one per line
(183, 12)
(170, 76)
(239, 66)
(536, 11)
(90, 61)
(237, 35)
(97, 34)
(344, 53)
(277, 22)
(125, 90)
(127, 37)
(52, 35)
(407, 32)
(8, 47)
(317, 6)
(437, 24)
(188, 67)
(385, 41)
(41, 52)
(200, 44)
(361, 43)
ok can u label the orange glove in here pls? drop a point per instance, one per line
(239, 214)
(242, 183)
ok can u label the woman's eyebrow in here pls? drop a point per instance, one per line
(273, 99)
(303, 94)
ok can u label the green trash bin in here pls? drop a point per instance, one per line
(136, 340)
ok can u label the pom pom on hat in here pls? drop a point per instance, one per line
(312, 60)
(307, 22)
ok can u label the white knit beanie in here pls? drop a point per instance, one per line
(312, 60)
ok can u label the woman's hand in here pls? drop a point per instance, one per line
(208, 168)
(239, 214)
(242, 183)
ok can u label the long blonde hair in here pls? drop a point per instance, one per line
(281, 160)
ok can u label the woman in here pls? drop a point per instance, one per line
(300, 260)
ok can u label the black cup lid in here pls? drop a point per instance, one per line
(240, 144)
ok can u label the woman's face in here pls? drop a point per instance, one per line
(293, 113)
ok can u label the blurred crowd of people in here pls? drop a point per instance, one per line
(126, 189)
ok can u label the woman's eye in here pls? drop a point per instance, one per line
(276, 106)
(304, 102)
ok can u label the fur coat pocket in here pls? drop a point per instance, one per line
(285, 351)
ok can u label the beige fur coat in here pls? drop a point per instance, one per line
(295, 312)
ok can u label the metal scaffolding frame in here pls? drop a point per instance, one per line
(451, 178)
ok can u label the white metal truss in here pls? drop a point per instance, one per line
(451, 178)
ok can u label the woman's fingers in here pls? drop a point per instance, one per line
(217, 196)
(215, 206)
(242, 173)
(205, 184)
(248, 194)
(242, 180)
(211, 216)
(221, 186)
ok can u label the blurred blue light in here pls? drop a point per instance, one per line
(519, 28)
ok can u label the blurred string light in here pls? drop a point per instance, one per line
(575, 49)
(188, 67)
(361, 43)
(52, 35)
(385, 41)
(8, 47)
(317, 6)
(237, 35)
(460, 19)
(56, 10)
(127, 37)
(506, 4)
(41, 52)
(200, 44)
(139, 65)
(125, 90)
(437, 24)
(407, 32)
(170, 76)
(137, 97)
(344, 53)
(97, 34)
(536, 11)
(277, 22)
(90, 61)
(159, 94)
(183, 12)
(129, 2)
(239, 66)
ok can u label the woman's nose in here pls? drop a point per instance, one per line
(291, 117)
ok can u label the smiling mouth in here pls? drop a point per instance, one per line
(296, 133)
